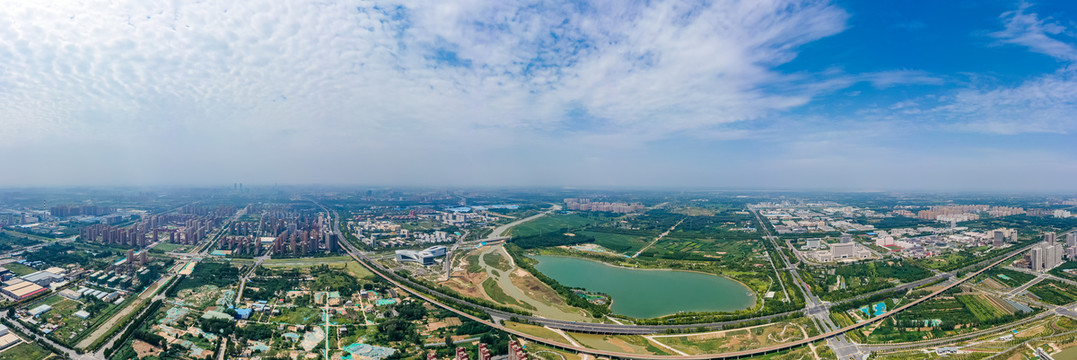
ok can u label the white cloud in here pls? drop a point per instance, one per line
(216, 85)
(1039, 35)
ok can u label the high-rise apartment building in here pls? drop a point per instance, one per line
(1045, 256)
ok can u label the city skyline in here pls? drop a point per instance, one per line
(847, 95)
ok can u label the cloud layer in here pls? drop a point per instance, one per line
(457, 92)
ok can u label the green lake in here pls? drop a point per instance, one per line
(1066, 354)
(648, 293)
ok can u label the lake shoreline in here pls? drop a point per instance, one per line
(750, 291)
(716, 293)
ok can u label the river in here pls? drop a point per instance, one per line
(642, 293)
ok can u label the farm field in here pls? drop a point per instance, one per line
(986, 307)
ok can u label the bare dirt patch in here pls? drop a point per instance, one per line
(144, 349)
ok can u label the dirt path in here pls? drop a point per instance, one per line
(660, 236)
(667, 347)
(104, 328)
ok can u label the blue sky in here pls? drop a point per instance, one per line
(798, 94)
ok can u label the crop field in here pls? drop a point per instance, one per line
(1054, 292)
(984, 307)
(554, 223)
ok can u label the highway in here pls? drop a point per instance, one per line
(377, 270)
(818, 311)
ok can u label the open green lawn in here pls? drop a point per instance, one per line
(359, 271)
(167, 247)
(497, 261)
(553, 223)
(24, 351)
(618, 242)
(534, 330)
(19, 269)
(306, 261)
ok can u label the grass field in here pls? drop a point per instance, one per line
(535, 330)
(498, 295)
(497, 261)
(618, 242)
(19, 269)
(24, 351)
(297, 315)
(359, 271)
(539, 351)
(623, 343)
(167, 247)
(473, 265)
(306, 261)
(552, 223)
(734, 340)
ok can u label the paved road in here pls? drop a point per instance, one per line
(817, 310)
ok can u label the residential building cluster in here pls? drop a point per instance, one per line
(788, 218)
(581, 204)
(958, 213)
(387, 234)
(63, 211)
